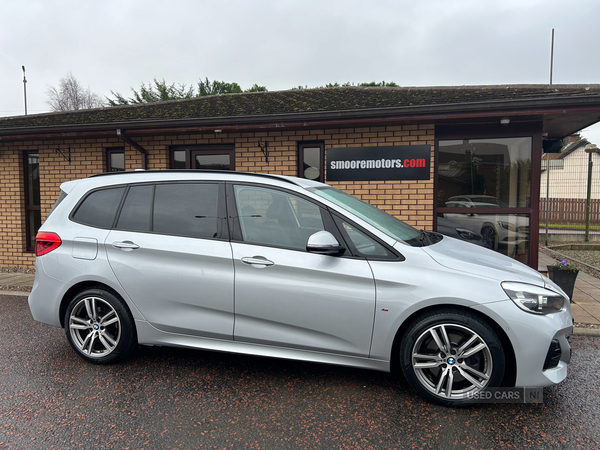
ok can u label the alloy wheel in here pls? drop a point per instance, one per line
(94, 326)
(452, 361)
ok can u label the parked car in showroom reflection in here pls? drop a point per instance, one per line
(496, 229)
(286, 267)
(457, 230)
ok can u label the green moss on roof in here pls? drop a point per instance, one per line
(289, 102)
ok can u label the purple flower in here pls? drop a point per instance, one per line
(564, 263)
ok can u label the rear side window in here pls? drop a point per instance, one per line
(178, 209)
(187, 209)
(137, 209)
(99, 208)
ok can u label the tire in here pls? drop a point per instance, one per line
(100, 327)
(474, 363)
(489, 237)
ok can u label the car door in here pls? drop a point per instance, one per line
(286, 296)
(170, 253)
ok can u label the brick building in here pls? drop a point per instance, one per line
(479, 141)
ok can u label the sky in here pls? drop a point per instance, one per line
(116, 45)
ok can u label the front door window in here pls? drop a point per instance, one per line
(275, 218)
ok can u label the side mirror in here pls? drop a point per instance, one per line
(324, 243)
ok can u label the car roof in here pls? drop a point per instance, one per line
(144, 176)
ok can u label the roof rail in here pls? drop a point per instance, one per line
(229, 172)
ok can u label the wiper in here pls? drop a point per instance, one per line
(425, 240)
(429, 238)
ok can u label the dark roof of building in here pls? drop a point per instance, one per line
(568, 150)
(309, 104)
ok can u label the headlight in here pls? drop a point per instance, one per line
(507, 226)
(467, 234)
(534, 299)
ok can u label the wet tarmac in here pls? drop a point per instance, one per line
(165, 398)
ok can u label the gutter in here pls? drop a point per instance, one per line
(135, 145)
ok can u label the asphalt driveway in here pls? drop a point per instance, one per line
(179, 399)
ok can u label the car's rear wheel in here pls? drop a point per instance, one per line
(450, 356)
(99, 326)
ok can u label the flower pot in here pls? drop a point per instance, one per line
(564, 278)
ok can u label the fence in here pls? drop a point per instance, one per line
(569, 211)
(564, 188)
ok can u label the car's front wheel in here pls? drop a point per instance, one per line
(99, 326)
(451, 356)
(489, 237)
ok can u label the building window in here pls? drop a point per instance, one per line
(497, 168)
(484, 188)
(214, 157)
(311, 161)
(115, 159)
(33, 210)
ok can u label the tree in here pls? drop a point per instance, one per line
(217, 87)
(382, 84)
(159, 91)
(71, 95)
(257, 88)
(337, 85)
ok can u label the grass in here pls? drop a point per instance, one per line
(569, 226)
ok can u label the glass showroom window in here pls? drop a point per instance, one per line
(311, 161)
(497, 168)
(484, 185)
(33, 213)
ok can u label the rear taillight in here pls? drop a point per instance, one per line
(46, 242)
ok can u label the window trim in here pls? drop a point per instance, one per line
(311, 144)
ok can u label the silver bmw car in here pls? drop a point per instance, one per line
(290, 268)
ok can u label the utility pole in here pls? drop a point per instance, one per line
(25, 89)
(552, 57)
(589, 149)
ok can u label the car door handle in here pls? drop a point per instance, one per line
(125, 245)
(257, 261)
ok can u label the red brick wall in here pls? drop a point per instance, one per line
(411, 201)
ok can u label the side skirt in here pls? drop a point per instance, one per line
(148, 335)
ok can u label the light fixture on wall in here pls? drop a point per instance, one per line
(67, 157)
(264, 148)
(504, 122)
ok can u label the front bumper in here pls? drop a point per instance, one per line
(540, 342)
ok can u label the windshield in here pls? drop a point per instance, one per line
(379, 219)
